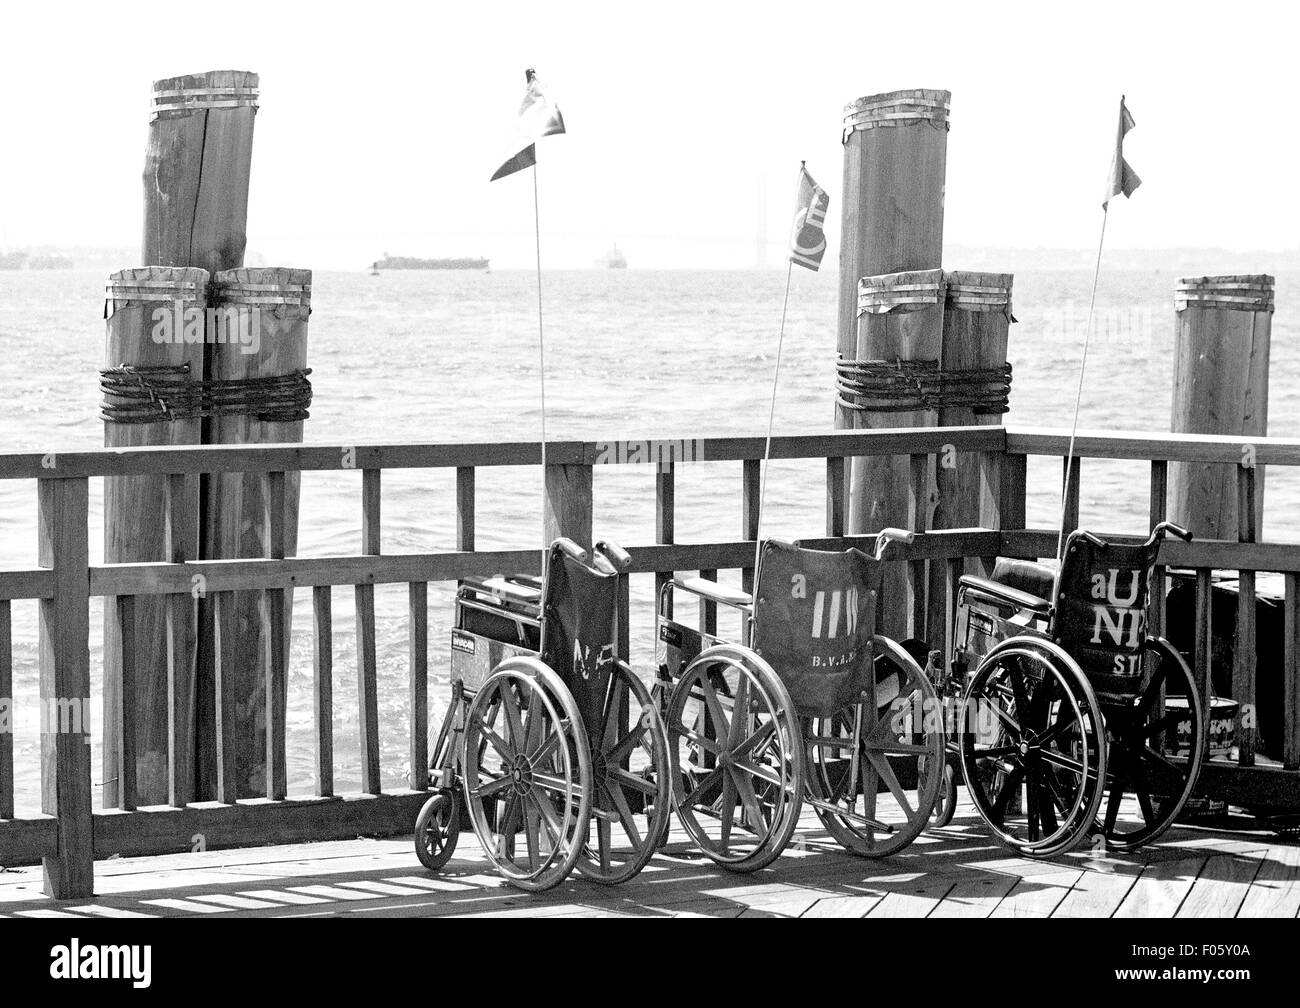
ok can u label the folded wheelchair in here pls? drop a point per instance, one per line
(552, 748)
(809, 705)
(1063, 702)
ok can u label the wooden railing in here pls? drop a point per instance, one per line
(70, 833)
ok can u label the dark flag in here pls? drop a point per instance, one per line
(538, 117)
(807, 239)
(1122, 178)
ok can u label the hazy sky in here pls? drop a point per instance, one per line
(380, 123)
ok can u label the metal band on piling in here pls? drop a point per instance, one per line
(897, 108)
(174, 97)
(1252, 293)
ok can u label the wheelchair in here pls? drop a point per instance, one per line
(551, 748)
(1064, 702)
(810, 705)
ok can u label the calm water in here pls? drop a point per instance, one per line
(446, 356)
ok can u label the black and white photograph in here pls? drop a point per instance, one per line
(698, 460)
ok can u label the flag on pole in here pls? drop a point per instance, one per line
(1122, 178)
(538, 117)
(807, 239)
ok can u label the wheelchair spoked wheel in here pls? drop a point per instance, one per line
(946, 804)
(437, 828)
(1145, 789)
(875, 795)
(737, 758)
(1029, 731)
(632, 797)
(527, 770)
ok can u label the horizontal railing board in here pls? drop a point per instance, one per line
(1215, 554)
(26, 841)
(1151, 446)
(31, 583)
(1255, 787)
(255, 823)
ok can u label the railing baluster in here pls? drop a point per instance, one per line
(836, 496)
(323, 687)
(1291, 674)
(419, 685)
(1013, 481)
(465, 508)
(749, 514)
(1159, 505)
(923, 616)
(179, 532)
(367, 695)
(62, 517)
(708, 610)
(127, 795)
(6, 712)
(665, 503)
(275, 604)
(1244, 652)
(226, 697)
(1070, 473)
(1204, 636)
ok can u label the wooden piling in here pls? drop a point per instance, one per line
(197, 169)
(154, 318)
(1221, 354)
(258, 329)
(900, 330)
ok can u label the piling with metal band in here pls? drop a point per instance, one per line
(155, 318)
(197, 169)
(900, 327)
(1221, 353)
(895, 158)
(257, 329)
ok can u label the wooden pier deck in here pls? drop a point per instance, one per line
(955, 872)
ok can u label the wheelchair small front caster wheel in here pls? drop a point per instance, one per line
(946, 804)
(437, 828)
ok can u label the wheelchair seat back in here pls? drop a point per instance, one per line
(1100, 612)
(579, 627)
(494, 619)
(814, 617)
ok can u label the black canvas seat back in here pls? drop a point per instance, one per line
(814, 617)
(1100, 614)
(579, 619)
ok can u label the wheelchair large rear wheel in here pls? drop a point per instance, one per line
(875, 794)
(1032, 752)
(632, 801)
(527, 772)
(1145, 788)
(737, 759)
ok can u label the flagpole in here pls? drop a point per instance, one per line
(1078, 398)
(771, 419)
(541, 350)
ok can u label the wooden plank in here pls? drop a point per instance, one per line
(708, 610)
(1204, 636)
(367, 665)
(226, 693)
(567, 505)
(180, 541)
(975, 897)
(916, 899)
(1157, 513)
(749, 516)
(63, 546)
(1012, 489)
(127, 795)
(1071, 474)
(1221, 887)
(1161, 888)
(836, 498)
(1275, 890)
(1259, 787)
(844, 906)
(1244, 645)
(665, 512)
(323, 689)
(1209, 553)
(276, 603)
(465, 508)
(1145, 446)
(418, 623)
(1038, 895)
(1097, 893)
(28, 841)
(6, 712)
(33, 583)
(255, 822)
(919, 506)
(1291, 674)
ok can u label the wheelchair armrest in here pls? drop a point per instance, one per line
(713, 592)
(1005, 594)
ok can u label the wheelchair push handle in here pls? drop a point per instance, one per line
(570, 549)
(1159, 531)
(618, 557)
(887, 535)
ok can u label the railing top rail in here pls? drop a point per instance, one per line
(158, 460)
(1150, 446)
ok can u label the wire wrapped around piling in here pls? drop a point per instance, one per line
(134, 395)
(903, 386)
